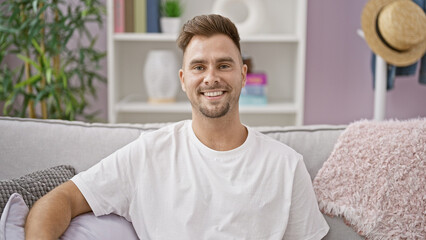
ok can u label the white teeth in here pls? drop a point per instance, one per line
(212, 94)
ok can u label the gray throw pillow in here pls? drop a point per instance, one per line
(34, 185)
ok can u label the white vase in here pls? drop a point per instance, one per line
(255, 18)
(161, 76)
(170, 24)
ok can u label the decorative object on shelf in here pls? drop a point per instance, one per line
(254, 92)
(250, 21)
(171, 11)
(58, 63)
(161, 76)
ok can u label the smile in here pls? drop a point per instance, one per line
(213, 94)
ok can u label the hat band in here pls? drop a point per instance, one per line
(382, 38)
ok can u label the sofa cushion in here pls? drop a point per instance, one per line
(86, 226)
(89, 227)
(12, 220)
(314, 142)
(34, 185)
(375, 179)
(28, 145)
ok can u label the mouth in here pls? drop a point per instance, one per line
(213, 94)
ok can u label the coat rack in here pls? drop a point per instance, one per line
(380, 89)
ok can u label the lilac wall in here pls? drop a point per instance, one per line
(338, 78)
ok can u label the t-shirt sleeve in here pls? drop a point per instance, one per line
(109, 185)
(305, 222)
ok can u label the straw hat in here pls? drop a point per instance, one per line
(395, 30)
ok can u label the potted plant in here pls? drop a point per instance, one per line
(171, 11)
(57, 63)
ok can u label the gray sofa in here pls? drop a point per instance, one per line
(27, 145)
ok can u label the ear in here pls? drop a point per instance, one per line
(182, 81)
(244, 75)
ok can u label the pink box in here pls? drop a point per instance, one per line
(256, 79)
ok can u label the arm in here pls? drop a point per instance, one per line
(51, 214)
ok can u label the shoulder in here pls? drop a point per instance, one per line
(166, 133)
(276, 152)
(270, 144)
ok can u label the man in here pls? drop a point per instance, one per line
(209, 178)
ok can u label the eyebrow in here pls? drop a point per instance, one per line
(197, 61)
(226, 59)
(202, 61)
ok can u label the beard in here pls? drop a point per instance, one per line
(217, 112)
(219, 109)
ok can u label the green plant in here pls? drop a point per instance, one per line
(58, 63)
(171, 8)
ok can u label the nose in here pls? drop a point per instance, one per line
(211, 77)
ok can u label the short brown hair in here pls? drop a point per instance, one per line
(208, 25)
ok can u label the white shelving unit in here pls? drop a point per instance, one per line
(279, 51)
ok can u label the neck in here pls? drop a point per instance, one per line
(220, 134)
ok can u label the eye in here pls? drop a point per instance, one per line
(198, 68)
(224, 66)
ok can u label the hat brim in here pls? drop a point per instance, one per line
(368, 23)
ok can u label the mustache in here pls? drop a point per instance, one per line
(215, 86)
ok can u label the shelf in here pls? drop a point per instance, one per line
(139, 107)
(161, 37)
(185, 107)
(278, 50)
(271, 108)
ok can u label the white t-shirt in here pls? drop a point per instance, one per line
(172, 186)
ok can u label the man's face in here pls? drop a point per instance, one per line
(212, 75)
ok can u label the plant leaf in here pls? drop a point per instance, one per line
(36, 46)
(8, 30)
(35, 3)
(49, 76)
(30, 61)
(29, 81)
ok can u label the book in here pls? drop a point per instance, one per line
(129, 25)
(153, 16)
(140, 16)
(123, 16)
(119, 16)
